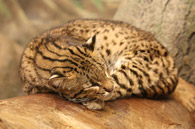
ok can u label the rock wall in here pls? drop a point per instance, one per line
(173, 24)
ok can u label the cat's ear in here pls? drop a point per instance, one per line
(90, 44)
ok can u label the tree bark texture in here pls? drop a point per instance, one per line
(173, 24)
(49, 111)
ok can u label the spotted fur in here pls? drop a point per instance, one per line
(92, 61)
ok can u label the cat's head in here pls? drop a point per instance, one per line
(84, 74)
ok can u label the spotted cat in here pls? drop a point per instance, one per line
(92, 61)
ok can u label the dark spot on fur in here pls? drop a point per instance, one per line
(151, 57)
(155, 46)
(105, 37)
(156, 62)
(165, 54)
(108, 52)
(147, 66)
(109, 62)
(106, 30)
(119, 92)
(129, 90)
(81, 31)
(155, 71)
(114, 43)
(102, 47)
(125, 48)
(161, 75)
(158, 52)
(146, 59)
(123, 67)
(116, 35)
(121, 43)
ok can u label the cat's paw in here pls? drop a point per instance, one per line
(30, 89)
(94, 104)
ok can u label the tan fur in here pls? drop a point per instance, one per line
(90, 61)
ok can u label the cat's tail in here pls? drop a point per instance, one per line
(137, 76)
(165, 78)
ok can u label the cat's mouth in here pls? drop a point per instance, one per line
(103, 94)
(106, 96)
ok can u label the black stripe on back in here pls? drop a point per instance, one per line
(53, 51)
(82, 52)
(143, 91)
(86, 55)
(57, 60)
(117, 81)
(134, 72)
(56, 45)
(127, 77)
(167, 85)
(30, 58)
(155, 92)
(44, 69)
(72, 52)
(162, 90)
(63, 67)
(145, 74)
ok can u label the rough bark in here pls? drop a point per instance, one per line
(50, 111)
(173, 24)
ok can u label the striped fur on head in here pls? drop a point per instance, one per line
(83, 74)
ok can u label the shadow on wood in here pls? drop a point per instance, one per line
(51, 111)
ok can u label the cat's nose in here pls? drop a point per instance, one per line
(110, 89)
(108, 86)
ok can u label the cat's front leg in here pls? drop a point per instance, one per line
(31, 89)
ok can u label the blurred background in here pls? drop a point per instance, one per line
(21, 20)
(171, 21)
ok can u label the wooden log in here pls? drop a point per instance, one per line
(51, 111)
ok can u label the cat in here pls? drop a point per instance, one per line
(90, 61)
